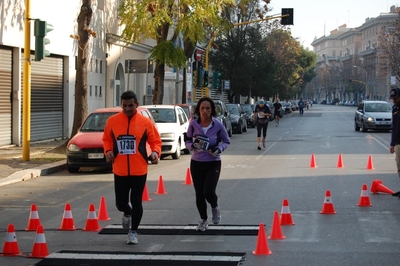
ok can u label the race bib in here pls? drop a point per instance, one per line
(126, 144)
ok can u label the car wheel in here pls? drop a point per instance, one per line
(72, 170)
(177, 153)
(363, 128)
(245, 127)
(356, 127)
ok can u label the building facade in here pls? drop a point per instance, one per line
(348, 61)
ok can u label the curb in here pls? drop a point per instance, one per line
(31, 173)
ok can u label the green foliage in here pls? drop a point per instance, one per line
(168, 53)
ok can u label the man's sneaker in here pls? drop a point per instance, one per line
(132, 237)
(259, 147)
(264, 144)
(216, 215)
(203, 225)
(126, 221)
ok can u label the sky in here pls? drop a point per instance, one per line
(316, 18)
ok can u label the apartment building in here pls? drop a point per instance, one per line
(353, 54)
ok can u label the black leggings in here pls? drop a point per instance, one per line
(264, 128)
(205, 177)
(134, 185)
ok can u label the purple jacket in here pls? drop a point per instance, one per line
(217, 138)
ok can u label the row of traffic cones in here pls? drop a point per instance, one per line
(161, 188)
(327, 208)
(39, 249)
(67, 222)
(313, 164)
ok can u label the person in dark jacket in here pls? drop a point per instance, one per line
(395, 138)
(207, 138)
(262, 113)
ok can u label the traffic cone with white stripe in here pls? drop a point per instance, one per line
(286, 217)
(34, 220)
(67, 223)
(328, 208)
(91, 222)
(364, 198)
(11, 245)
(39, 247)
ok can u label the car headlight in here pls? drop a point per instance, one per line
(73, 147)
(370, 119)
(167, 135)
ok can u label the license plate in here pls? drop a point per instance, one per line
(95, 155)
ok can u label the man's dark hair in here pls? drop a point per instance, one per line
(208, 99)
(128, 95)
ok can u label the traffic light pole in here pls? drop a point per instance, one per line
(26, 109)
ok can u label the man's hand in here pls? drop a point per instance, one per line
(391, 149)
(109, 156)
(154, 157)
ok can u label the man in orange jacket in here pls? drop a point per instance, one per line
(124, 141)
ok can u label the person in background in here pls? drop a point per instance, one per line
(277, 111)
(124, 142)
(207, 138)
(262, 112)
(301, 106)
(395, 137)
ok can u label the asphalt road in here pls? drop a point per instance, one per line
(252, 187)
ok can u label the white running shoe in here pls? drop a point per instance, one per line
(216, 215)
(132, 237)
(126, 221)
(203, 225)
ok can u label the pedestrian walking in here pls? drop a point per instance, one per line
(277, 111)
(395, 137)
(124, 141)
(301, 106)
(207, 138)
(262, 112)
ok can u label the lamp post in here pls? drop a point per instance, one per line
(366, 78)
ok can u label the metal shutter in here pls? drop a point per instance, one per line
(5, 95)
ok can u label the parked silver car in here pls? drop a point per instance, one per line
(375, 115)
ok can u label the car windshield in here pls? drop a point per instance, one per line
(96, 122)
(163, 115)
(247, 109)
(377, 107)
(233, 109)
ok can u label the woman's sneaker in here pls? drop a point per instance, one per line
(203, 225)
(264, 144)
(216, 215)
(132, 237)
(126, 221)
(259, 147)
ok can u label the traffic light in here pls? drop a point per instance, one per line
(289, 19)
(205, 79)
(216, 80)
(40, 31)
(199, 77)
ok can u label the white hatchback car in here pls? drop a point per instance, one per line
(172, 124)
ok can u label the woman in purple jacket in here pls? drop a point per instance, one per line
(207, 138)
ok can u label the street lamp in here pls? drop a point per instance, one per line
(366, 78)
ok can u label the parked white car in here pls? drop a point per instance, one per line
(172, 125)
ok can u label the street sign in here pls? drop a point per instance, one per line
(198, 54)
(226, 84)
(138, 66)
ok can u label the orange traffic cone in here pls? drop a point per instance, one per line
(160, 186)
(364, 198)
(262, 244)
(276, 230)
(377, 187)
(328, 208)
(312, 162)
(34, 220)
(145, 195)
(103, 214)
(91, 221)
(370, 165)
(188, 179)
(286, 217)
(67, 223)
(40, 247)
(340, 161)
(11, 245)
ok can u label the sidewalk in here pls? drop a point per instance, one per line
(45, 158)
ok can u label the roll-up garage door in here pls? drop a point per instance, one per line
(5, 95)
(47, 109)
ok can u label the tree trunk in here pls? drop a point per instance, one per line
(159, 75)
(81, 87)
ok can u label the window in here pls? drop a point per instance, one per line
(101, 66)
(100, 92)
(95, 91)
(90, 90)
